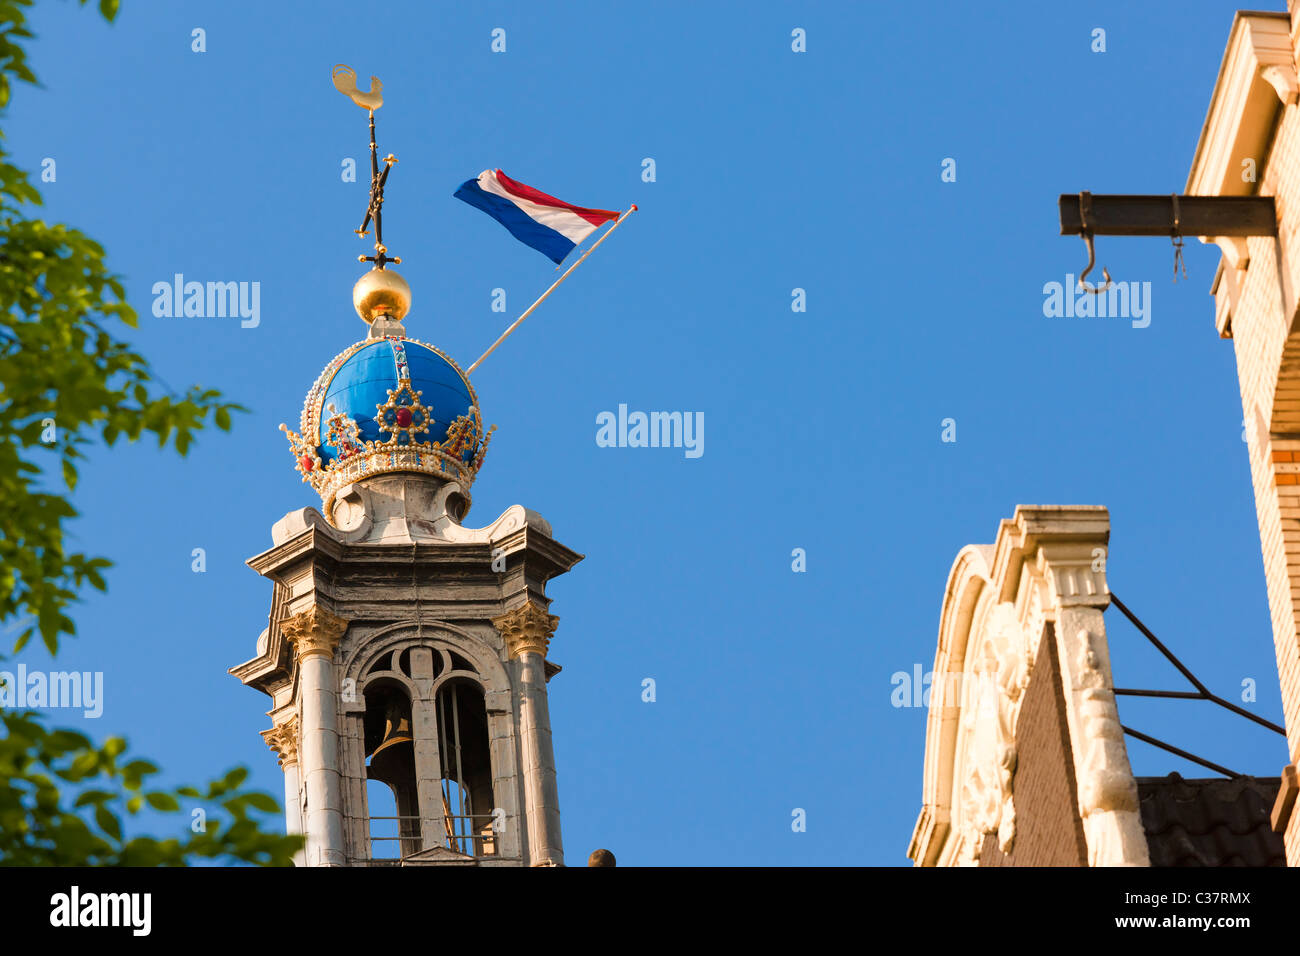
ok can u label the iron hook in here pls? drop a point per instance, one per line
(1092, 262)
(1085, 230)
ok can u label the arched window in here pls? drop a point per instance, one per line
(390, 760)
(467, 802)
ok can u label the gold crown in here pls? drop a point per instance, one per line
(456, 456)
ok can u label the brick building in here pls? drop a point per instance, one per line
(1250, 145)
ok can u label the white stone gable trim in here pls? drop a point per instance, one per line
(1047, 566)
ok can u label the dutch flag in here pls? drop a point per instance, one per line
(551, 226)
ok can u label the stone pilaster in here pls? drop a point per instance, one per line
(283, 740)
(527, 632)
(314, 635)
(1107, 791)
(527, 629)
(314, 632)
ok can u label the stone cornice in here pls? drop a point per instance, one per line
(1257, 81)
(315, 632)
(1257, 76)
(311, 539)
(526, 628)
(283, 739)
(1060, 536)
(271, 670)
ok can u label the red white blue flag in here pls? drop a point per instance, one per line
(551, 226)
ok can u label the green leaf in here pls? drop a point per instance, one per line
(83, 764)
(264, 802)
(66, 740)
(108, 822)
(162, 801)
(235, 777)
(133, 773)
(97, 797)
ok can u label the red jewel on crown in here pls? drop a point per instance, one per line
(307, 463)
(403, 417)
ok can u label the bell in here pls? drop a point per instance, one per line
(396, 732)
(392, 753)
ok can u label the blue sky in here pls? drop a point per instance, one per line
(775, 170)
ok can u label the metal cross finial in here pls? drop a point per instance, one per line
(345, 82)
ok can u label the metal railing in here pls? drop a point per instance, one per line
(471, 835)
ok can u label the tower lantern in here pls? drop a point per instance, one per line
(406, 653)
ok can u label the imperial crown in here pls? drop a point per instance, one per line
(388, 404)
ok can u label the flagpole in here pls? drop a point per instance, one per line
(506, 334)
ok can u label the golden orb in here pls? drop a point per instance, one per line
(381, 292)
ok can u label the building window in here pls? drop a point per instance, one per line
(390, 760)
(466, 769)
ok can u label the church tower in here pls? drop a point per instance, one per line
(406, 653)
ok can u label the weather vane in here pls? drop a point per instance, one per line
(345, 81)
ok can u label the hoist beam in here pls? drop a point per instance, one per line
(1103, 215)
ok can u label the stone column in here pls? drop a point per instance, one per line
(283, 739)
(527, 631)
(314, 635)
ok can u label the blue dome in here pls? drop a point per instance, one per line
(361, 385)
